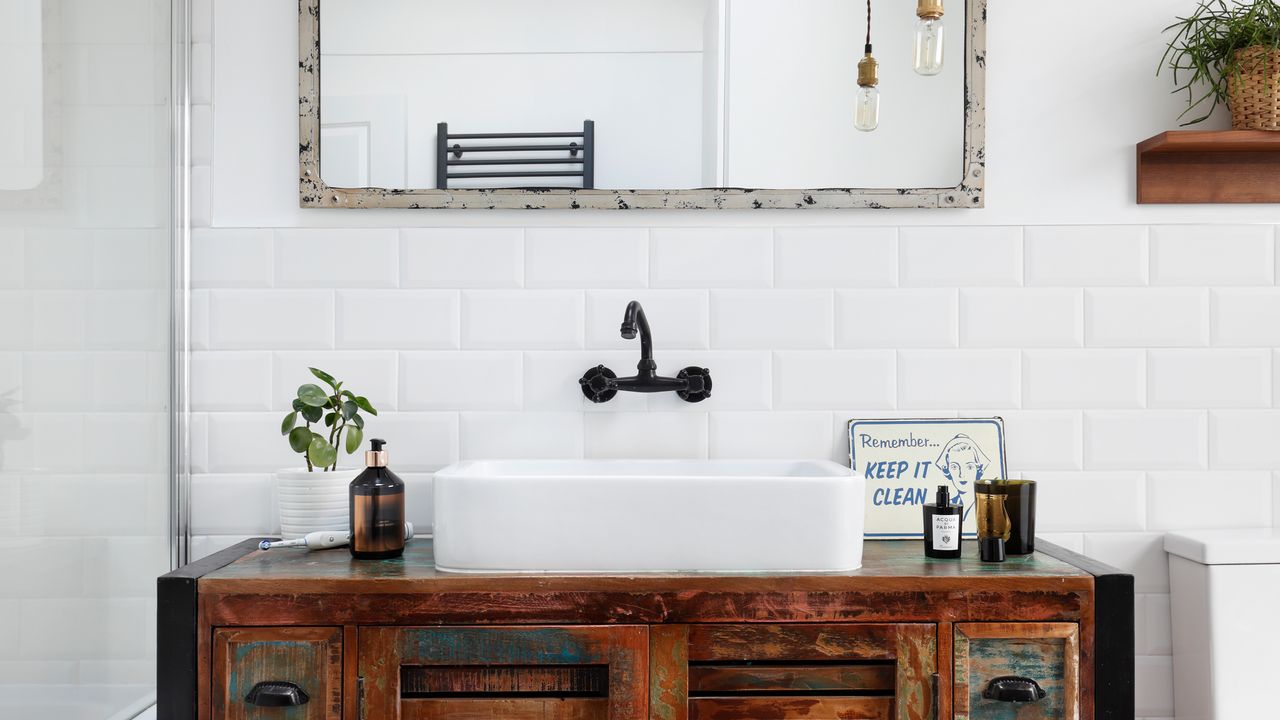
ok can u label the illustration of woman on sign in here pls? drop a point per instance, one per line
(963, 462)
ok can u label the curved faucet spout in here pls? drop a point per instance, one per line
(632, 320)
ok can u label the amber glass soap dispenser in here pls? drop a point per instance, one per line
(942, 527)
(377, 509)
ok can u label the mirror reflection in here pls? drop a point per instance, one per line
(645, 94)
(22, 87)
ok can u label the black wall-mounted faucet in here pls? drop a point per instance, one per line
(600, 384)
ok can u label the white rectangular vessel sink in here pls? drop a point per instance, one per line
(648, 516)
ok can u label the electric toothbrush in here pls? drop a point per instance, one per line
(321, 540)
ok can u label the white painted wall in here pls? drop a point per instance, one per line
(1132, 350)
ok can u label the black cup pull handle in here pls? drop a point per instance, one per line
(1014, 689)
(276, 693)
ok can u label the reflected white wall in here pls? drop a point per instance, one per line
(22, 83)
(738, 93)
(790, 94)
(506, 66)
(84, 340)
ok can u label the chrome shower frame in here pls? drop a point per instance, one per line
(180, 285)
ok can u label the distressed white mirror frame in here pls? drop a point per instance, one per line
(314, 193)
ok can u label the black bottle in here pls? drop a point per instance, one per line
(942, 527)
(377, 509)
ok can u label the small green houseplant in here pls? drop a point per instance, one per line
(324, 421)
(339, 409)
(1228, 53)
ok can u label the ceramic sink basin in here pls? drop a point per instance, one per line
(648, 516)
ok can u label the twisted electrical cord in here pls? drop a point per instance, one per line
(868, 26)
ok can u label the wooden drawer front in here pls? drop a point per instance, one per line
(729, 672)
(310, 658)
(1048, 653)
(515, 673)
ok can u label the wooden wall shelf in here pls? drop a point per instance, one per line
(1192, 166)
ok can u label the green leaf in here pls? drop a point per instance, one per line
(312, 414)
(358, 421)
(300, 439)
(349, 410)
(331, 419)
(348, 395)
(1203, 51)
(321, 453)
(364, 405)
(290, 420)
(312, 395)
(355, 436)
(326, 377)
(298, 405)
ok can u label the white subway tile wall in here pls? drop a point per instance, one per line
(586, 257)
(1124, 400)
(1221, 255)
(900, 318)
(1044, 439)
(701, 258)
(752, 320)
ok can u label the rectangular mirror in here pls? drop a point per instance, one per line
(713, 104)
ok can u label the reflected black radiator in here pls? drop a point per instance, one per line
(506, 155)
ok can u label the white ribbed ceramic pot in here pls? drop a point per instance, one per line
(311, 501)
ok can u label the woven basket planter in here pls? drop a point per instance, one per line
(1255, 93)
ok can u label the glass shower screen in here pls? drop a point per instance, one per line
(85, 356)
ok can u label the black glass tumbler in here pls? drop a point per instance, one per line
(1020, 503)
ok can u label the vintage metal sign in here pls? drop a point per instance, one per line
(905, 461)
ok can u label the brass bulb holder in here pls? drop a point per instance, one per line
(929, 9)
(868, 71)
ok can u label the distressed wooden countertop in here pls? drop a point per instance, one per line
(896, 582)
(886, 564)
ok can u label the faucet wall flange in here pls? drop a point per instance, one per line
(698, 384)
(599, 384)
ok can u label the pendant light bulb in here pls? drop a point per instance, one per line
(930, 34)
(866, 112)
(866, 105)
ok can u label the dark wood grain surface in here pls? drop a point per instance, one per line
(1193, 166)
(335, 571)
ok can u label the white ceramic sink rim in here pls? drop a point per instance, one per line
(648, 516)
(629, 469)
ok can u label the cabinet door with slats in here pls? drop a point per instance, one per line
(855, 672)
(515, 673)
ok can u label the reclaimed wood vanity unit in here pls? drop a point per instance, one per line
(252, 635)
